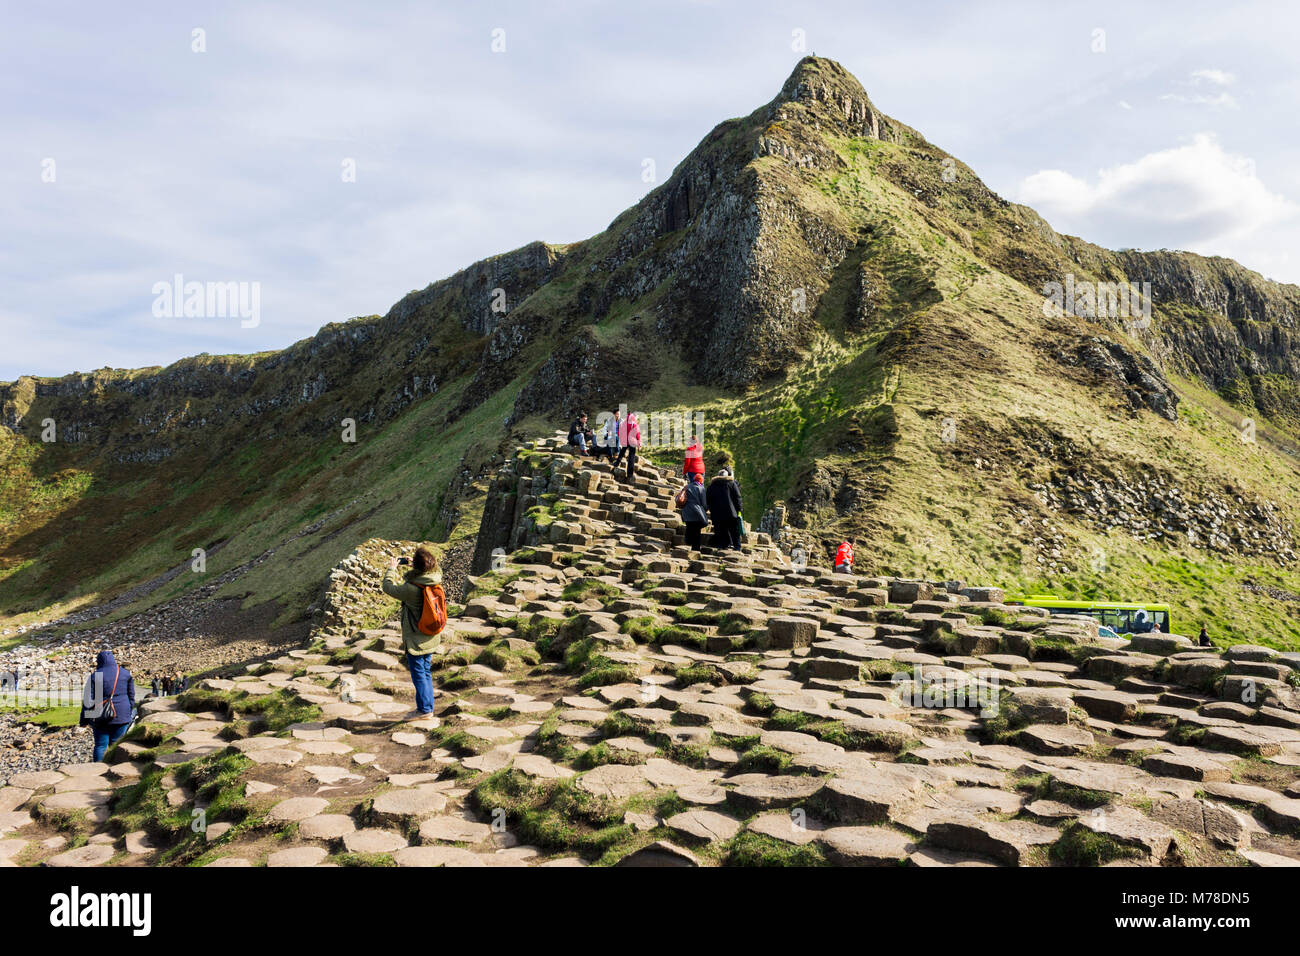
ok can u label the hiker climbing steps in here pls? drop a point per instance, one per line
(607, 695)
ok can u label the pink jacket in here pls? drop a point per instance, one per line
(629, 433)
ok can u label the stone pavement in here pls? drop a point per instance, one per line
(607, 696)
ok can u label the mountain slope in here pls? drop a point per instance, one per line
(857, 318)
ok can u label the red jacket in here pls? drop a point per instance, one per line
(844, 554)
(694, 459)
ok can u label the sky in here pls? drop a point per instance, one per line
(330, 157)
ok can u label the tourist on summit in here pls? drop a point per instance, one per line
(694, 464)
(577, 434)
(629, 439)
(724, 503)
(423, 600)
(694, 503)
(107, 703)
(844, 557)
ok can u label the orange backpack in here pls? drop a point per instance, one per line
(433, 613)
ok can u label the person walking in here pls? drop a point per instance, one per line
(420, 591)
(694, 503)
(723, 497)
(629, 440)
(107, 703)
(694, 464)
(157, 686)
(844, 557)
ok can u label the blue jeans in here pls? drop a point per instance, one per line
(422, 678)
(105, 736)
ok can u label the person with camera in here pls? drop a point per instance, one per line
(424, 616)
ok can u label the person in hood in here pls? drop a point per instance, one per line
(694, 460)
(629, 437)
(419, 647)
(844, 557)
(723, 498)
(107, 703)
(695, 510)
(1204, 639)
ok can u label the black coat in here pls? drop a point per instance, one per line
(724, 500)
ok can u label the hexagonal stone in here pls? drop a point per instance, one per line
(1056, 739)
(373, 840)
(11, 798)
(874, 799)
(535, 765)
(277, 756)
(11, 848)
(91, 854)
(76, 800)
(396, 807)
(1186, 766)
(704, 825)
(298, 856)
(249, 744)
(969, 834)
(631, 745)
(865, 846)
(1132, 828)
(1261, 858)
(450, 829)
(255, 787)
(756, 792)
(326, 826)
(36, 779)
(614, 781)
(661, 853)
(216, 831)
(321, 748)
(138, 843)
(1240, 740)
(437, 856)
(789, 632)
(80, 769)
(333, 775)
(296, 808)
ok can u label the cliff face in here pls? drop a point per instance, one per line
(861, 316)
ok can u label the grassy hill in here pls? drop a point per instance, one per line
(858, 319)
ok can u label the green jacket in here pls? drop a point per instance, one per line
(410, 591)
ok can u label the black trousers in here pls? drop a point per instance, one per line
(693, 530)
(630, 451)
(726, 534)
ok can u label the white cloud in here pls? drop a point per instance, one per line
(1217, 77)
(1217, 101)
(1196, 196)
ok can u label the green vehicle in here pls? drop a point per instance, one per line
(1121, 617)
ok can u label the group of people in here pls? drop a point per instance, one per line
(720, 503)
(168, 684)
(619, 437)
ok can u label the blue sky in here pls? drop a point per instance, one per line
(1174, 127)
